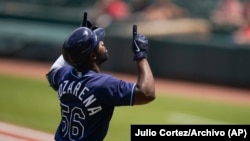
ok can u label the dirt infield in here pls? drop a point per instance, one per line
(172, 87)
(10, 132)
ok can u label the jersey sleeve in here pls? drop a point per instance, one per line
(53, 72)
(119, 92)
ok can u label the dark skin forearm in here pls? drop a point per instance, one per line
(145, 87)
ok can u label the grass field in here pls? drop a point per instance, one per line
(32, 103)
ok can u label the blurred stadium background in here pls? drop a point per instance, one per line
(187, 42)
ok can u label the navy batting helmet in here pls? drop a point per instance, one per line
(80, 43)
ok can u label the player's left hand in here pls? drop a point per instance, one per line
(140, 46)
(91, 25)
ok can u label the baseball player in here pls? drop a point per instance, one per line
(87, 96)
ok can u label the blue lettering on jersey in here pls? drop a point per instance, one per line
(76, 90)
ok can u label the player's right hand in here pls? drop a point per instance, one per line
(139, 45)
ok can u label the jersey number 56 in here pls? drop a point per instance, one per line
(71, 118)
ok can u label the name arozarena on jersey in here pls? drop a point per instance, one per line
(76, 89)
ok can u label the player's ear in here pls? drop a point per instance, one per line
(93, 56)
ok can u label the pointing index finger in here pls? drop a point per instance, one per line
(134, 30)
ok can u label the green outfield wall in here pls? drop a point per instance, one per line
(187, 59)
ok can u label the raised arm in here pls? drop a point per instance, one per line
(145, 86)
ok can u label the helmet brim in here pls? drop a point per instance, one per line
(99, 35)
